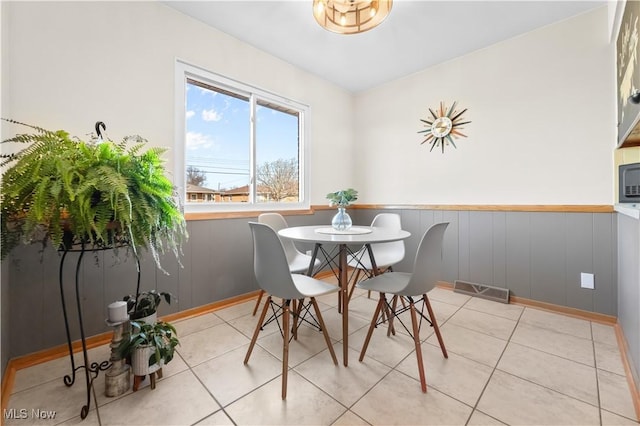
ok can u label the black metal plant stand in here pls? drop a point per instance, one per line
(91, 370)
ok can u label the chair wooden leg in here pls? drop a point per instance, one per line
(257, 330)
(374, 320)
(390, 314)
(435, 325)
(416, 340)
(324, 330)
(285, 348)
(355, 281)
(255, 308)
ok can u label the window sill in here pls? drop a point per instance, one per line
(242, 214)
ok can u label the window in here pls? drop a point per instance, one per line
(242, 148)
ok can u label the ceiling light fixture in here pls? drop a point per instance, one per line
(350, 16)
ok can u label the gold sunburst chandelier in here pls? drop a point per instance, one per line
(350, 16)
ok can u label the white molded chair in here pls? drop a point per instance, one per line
(408, 286)
(272, 273)
(298, 261)
(385, 254)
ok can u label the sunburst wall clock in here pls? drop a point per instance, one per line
(442, 127)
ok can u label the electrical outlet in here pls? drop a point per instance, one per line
(586, 280)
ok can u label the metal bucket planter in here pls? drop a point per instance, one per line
(141, 368)
(140, 361)
(151, 319)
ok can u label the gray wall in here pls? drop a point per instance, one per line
(4, 317)
(629, 286)
(536, 255)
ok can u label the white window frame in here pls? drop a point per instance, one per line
(183, 71)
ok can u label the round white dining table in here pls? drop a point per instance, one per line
(326, 235)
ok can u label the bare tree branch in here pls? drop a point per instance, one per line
(195, 176)
(279, 179)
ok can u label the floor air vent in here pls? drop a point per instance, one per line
(480, 290)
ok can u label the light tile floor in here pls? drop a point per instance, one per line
(507, 364)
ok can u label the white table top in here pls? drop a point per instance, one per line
(310, 234)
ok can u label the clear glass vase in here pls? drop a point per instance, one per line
(341, 221)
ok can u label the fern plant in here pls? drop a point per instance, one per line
(96, 193)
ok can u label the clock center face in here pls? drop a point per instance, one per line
(441, 127)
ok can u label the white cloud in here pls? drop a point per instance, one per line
(198, 140)
(190, 114)
(211, 115)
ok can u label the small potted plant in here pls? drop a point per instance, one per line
(150, 347)
(143, 306)
(342, 221)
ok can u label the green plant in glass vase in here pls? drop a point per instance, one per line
(343, 197)
(96, 193)
(342, 221)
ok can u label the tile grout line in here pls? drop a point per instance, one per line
(95, 401)
(598, 406)
(424, 341)
(595, 371)
(391, 370)
(190, 369)
(495, 367)
(290, 368)
(348, 408)
(539, 326)
(222, 407)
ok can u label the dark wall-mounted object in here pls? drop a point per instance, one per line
(629, 183)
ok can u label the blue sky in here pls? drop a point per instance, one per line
(218, 136)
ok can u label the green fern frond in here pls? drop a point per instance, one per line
(101, 194)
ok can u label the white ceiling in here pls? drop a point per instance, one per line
(416, 35)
